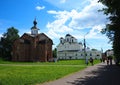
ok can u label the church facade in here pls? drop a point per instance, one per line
(33, 47)
(69, 48)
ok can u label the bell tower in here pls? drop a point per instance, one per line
(34, 29)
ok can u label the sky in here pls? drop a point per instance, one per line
(56, 18)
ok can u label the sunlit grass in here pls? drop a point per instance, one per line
(30, 73)
(21, 75)
(61, 62)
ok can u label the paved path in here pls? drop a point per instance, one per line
(100, 74)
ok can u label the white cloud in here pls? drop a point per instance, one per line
(95, 32)
(52, 12)
(59, 24)
(69, 4)
(1, 35)
(89, 17)
(52, 34)
(62, 1)
(39, 7)
(78, 23)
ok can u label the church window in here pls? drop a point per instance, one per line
(67, 40)
(60, 41)
(98, 55)
(90, 54)
(76, 54)
(70, 57)
(81, 54)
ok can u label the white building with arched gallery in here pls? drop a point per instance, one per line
(69, 48)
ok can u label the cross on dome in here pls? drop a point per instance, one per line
(35, 22)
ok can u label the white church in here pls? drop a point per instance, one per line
(69, 48)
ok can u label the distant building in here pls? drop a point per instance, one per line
(33, 47)
(69, 48)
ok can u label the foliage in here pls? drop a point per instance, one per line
(112, 29)
(55, 53)
(110, 57)
(7, 41)
(94, 49)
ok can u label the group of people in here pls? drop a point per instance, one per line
(90, 60)
(108, 60)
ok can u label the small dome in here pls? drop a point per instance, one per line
(61, 38)
(72, 37)
(35, 22)
(68, 35)
(34, 29)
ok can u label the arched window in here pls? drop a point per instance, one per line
(60, 41)
(67, 39)
(90, 54)
(81, 54)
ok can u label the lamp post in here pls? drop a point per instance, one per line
(86, 61)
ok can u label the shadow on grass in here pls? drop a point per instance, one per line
(105, 75)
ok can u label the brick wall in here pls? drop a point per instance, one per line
(29, 48)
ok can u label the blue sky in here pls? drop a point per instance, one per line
(56, 18)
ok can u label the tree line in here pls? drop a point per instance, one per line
(112, 29)
(7, 41)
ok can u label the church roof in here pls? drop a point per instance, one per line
(68, 35)
(41, 36)
(61, 38)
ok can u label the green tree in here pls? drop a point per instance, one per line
(112, 30)
(55, 53)
(94, 49)
(7, 41)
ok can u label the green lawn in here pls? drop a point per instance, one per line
(31, 73)
(61, 62)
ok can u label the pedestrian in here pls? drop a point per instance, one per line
(110, 60)
(91, 61)
(103, 59)
(107, 61)
(100, 59)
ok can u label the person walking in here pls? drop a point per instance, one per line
(107, 61)
(110, 60)
(87, 62)
(91, 61)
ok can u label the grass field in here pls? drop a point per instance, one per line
(31, 73)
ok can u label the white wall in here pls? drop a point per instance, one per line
(73, 50)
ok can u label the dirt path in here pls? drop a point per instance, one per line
(70, 79)
(100, 74)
